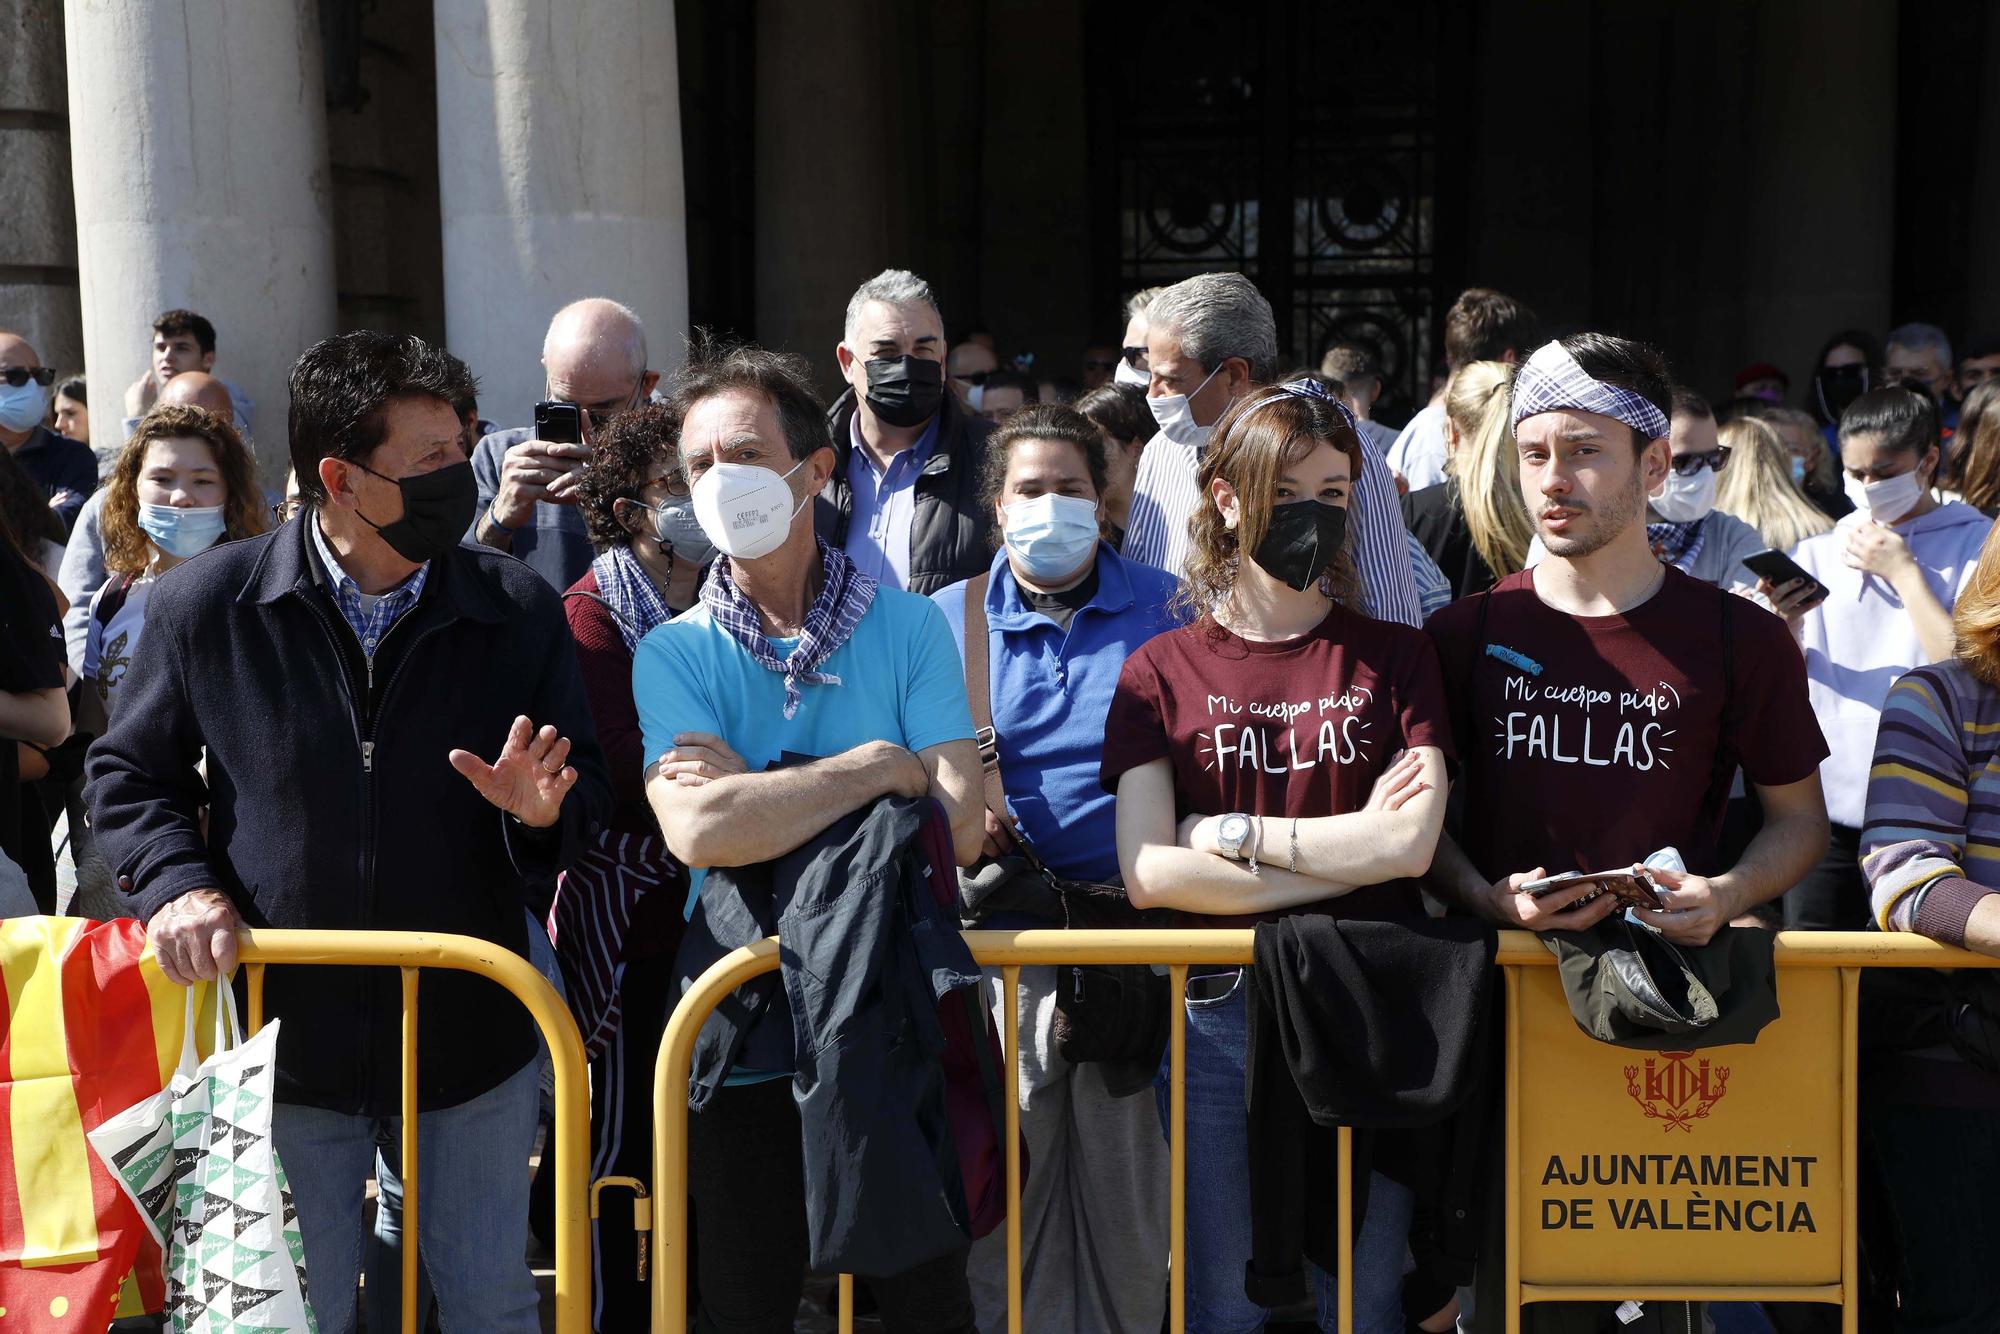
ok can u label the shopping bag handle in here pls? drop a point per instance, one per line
(228, 1032)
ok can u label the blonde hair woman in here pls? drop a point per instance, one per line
(1817, 470)
(1474, 524)
(1757, 486)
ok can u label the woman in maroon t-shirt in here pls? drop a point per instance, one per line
(1281, 754)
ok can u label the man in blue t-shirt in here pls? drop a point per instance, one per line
(792, 652)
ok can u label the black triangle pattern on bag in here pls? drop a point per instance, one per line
(242, 1298)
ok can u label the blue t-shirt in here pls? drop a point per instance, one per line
(1051, 690)
(900, 681)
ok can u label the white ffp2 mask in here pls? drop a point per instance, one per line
(746, 509)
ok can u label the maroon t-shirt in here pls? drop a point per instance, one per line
(1298, 728)
(1589, 742)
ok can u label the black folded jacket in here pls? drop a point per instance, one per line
(1384, 1027)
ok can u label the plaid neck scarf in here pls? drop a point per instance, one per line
(1677, 544)
(844, 595)
(635, 600)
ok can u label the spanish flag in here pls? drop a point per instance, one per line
(89, 1025)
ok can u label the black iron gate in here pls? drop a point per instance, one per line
(1296, 142)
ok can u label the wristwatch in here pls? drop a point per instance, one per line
(1232, 833)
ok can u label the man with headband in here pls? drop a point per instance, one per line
(1604, 699)
(1607, 699)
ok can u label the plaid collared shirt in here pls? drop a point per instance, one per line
(369, 622)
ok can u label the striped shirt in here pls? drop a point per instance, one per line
(1931, 846)
(1166, 493)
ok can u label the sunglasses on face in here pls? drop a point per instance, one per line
(973, 377)
(1689, 465)
(1135, 357)
(16, 376)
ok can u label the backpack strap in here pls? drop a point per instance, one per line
(979, 693)
(114, 597)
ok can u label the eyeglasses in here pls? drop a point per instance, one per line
(1135, 357)
(286, 510)
(1690, 465)
(675, 485)
(16, 376)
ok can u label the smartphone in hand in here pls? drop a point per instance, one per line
(558, 423)
(1778, 569)
(1635, 891)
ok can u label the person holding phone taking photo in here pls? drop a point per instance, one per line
(595, 358)
(1893, 568)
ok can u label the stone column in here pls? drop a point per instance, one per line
(559, 174)
(198, 137)
(38, 296)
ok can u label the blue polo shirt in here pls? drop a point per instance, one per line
(1051, 691)
(885, 505)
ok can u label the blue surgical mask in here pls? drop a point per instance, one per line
(1051, 535)
(181, 532)
(23, 408)
(1798, 471)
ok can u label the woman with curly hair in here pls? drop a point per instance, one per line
(650, 558)
(1283, 754)
(182, 483)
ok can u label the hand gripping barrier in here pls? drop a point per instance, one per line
(409, 951)
(1715, 1190)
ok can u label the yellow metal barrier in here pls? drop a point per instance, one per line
(410, 951)
(1837, 956)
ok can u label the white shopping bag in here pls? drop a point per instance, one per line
(198, 1162)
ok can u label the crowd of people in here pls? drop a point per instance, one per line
(1190, 638)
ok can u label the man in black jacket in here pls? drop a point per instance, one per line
(903, 501)
(313, 689)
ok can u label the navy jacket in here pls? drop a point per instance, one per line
(865, 955)
(331, 801)
(58, 463)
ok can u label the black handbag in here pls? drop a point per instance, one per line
(1114, 1014)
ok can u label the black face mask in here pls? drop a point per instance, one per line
(1834, 387)
(905, 391)
(437, 509)
(1301, 541)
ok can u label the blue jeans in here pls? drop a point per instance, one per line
(383, 1263)
(472, 1214)
(1218, 1186)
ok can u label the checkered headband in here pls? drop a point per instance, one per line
(1552, 381)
